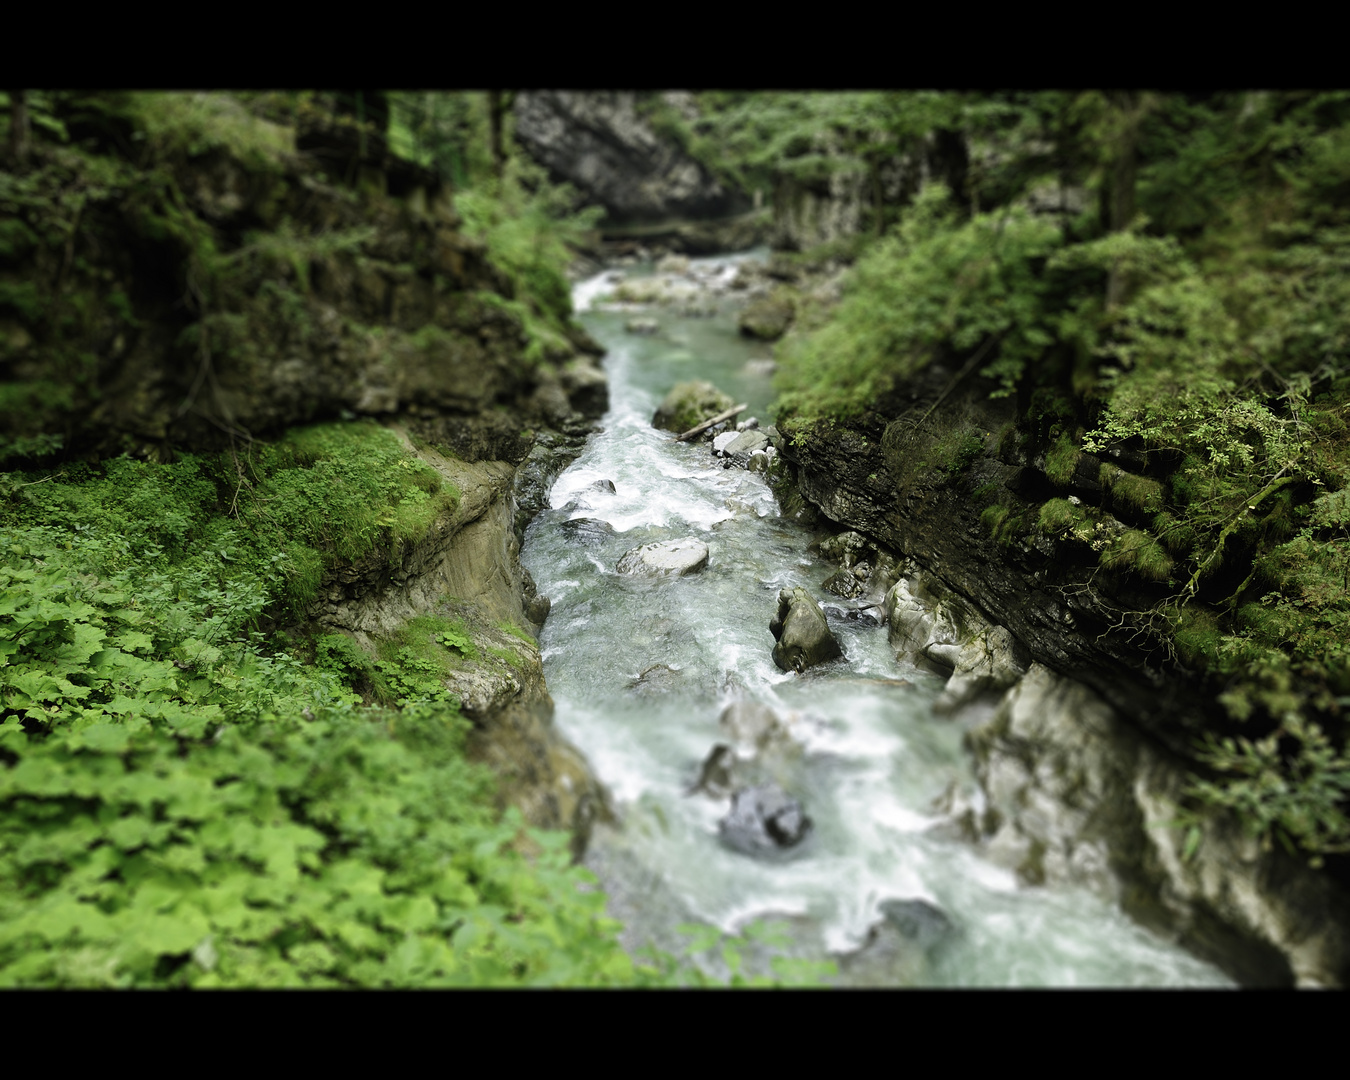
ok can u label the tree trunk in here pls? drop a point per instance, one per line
(18, 127)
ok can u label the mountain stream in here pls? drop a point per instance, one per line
(641, 669)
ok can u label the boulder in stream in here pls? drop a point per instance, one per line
(722, 440)
(743, 445)
(669, 558)
(768, 317)
(751, 723)
(588, 530)
(895, 951)
(844, 584)
(803, 635)
(642, 326)
(763, 820)
(688, 404)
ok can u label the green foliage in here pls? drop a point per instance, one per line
(1061, 461)
(528, 226)
(1004, 526)
(934, 282)
(1289, 786)
(281, 853)
(1059, 517)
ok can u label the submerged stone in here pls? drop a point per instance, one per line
(918, 920)
(750, 722)
(588, 530)
(669, 558)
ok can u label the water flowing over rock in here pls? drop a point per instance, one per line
(689, 404)
(803, 636)
(751, 723)
(763, 820)
(669, 558)
(588, 530)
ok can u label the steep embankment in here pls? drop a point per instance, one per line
(1085, 761)
(176, 280)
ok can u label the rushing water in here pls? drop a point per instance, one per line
(870, 758)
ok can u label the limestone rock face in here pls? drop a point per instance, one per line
(598, 142)
(669, 558)
(688, 404)
(803, 635)
(1075, 795)
(930, 624)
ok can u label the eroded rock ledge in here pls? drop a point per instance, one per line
(1082, 737)
(467, 568)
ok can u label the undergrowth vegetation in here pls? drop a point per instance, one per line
(199, 785)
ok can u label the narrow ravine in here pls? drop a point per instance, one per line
(642, 669)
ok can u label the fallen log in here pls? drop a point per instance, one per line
(709, 423)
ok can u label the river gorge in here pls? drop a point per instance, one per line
(641, 670)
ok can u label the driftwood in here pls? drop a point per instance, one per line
(709, 423)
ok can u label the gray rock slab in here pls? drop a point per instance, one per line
(668, 558)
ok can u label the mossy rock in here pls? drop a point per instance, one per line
(768, 317)
(688, 404)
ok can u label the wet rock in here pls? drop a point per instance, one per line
(673, 264)
(763, 820)
(918, 920)
(803, 636)
(721, 441)
(586, 387)
(669, 558)
(642, 326)
(601, 485)
(768, 317)
(715, 777)
(843, 584)
(863, 616)
(538, 610)
(759, 460)
(588, 530)
(688, 404)
(847, 548)
(743, 445)
(657, 679)
(751, 723)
